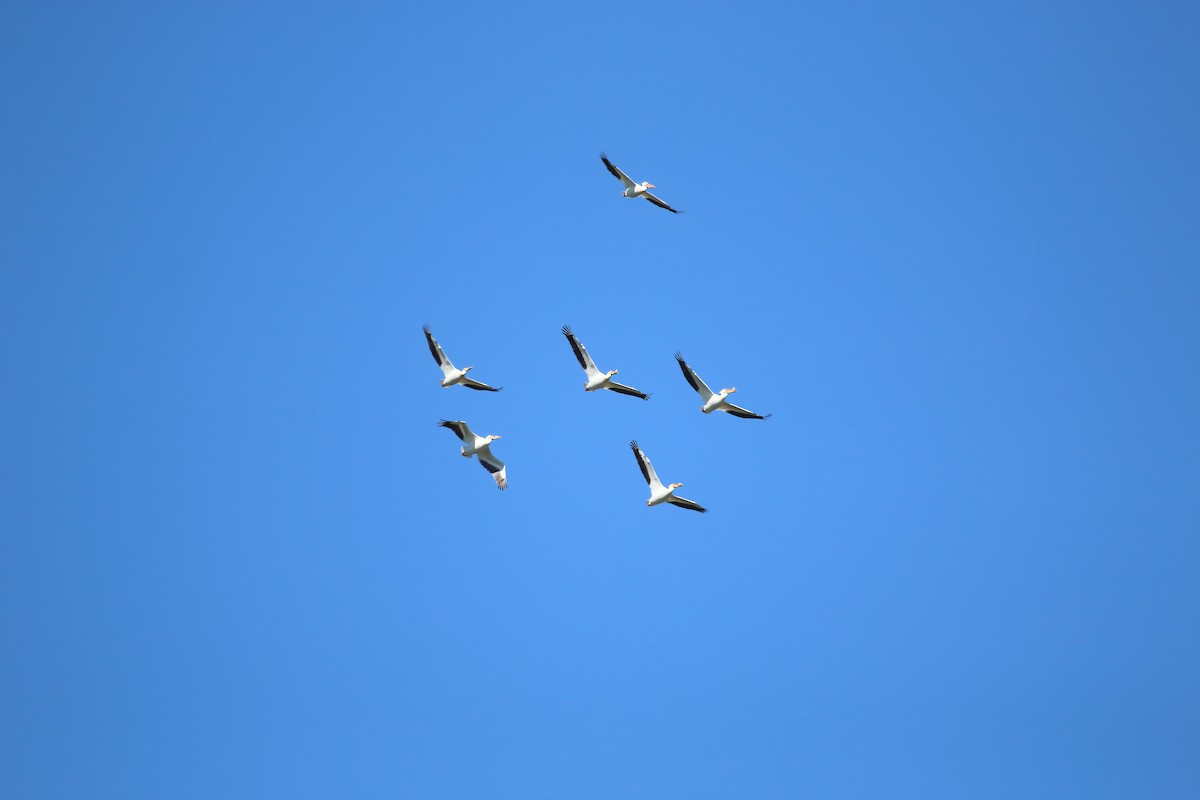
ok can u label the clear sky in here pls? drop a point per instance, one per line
(953, 248)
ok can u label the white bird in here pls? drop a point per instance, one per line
(713, 401)
(595, 378)
(452, 375)
(480, 447)
(658, 492)
(636, 189)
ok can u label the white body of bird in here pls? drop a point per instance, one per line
(598, 380)
(717, 401)
(661, 494)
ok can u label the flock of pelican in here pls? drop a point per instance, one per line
(480, 446)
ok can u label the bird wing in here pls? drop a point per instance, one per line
(738, 411)
(683, 502)
(494, 466)
(471, 383)
(692, 378)
(581, 352)
(647, 469)
(615, 171)
(460, 429)
(660, 203)
(438, 354)
(621, 388)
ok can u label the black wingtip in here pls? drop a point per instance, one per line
(634, 445)
(679, 357)
(566, 329)
(425, 328)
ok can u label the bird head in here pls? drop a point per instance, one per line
(648, 185)
(491, 438)
(467, 369)
(675, 485)
(612, 372)
(728, 391)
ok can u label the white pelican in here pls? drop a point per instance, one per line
(480, 447)
(595, 378)
(713, 401)
(453, 375)
(658, 492)
(636, 189)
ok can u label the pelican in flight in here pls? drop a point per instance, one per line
(595, 378)
(453, 375)
(480, 447)
(713, 401)
(636, 189)
(658, 492)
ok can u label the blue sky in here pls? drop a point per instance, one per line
(953, 249)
